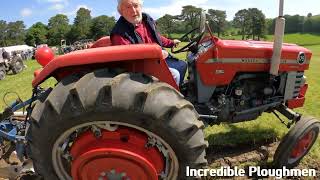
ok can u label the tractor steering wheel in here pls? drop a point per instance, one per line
(193, 41)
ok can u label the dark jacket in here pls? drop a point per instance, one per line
(127, 30)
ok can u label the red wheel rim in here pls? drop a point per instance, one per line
(121, 154)
(302, 145)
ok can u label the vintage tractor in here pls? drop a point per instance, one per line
(14, 64)
(117, 113)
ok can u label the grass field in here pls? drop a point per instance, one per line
(297, 38)
(266, 128)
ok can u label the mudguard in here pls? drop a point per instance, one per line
(144, 58)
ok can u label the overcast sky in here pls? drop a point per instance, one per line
(32, 11)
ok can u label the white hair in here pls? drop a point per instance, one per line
(120, 2)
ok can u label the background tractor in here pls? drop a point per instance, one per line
(117, 113)
(12, 63)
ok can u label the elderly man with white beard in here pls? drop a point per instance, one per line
(135, 27)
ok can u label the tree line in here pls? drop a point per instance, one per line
(57, 29)
(249, 23)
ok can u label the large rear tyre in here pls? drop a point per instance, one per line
(2, 73)
(104, 125)
(17, 65)
(297, 143)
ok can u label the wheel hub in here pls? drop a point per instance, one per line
(303, 145)
(117, 155)
(113, 175)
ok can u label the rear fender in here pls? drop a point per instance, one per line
(142, 58)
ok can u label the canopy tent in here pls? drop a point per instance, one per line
(9, 49)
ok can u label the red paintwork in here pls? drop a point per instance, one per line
(296, 103)
(37, 72)
(303, 145)
(145, 58)
(148, 59)
(102, 42)
(245, 50)
(44, 55)
(122, 150)
(299, 101)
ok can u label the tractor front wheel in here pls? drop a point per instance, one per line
(297, 143)
(109, 126)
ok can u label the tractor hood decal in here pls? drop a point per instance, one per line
(255, 61)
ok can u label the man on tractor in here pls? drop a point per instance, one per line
(135, 27)
(5, 54)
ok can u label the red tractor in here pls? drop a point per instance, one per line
(117, 113)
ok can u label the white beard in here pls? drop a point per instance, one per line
(137, 20)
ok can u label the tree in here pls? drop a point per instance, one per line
(308, 25)
(3, 33)
(82, 24)
(58, 28)
(36, 34)
(102, 26)
(191, 16)
(252, 22)
(257, 22)
(241, 20)
(316, 24)
(15, 33)
(166, 24)
(294, 23)
(270, 25)
(217, 20)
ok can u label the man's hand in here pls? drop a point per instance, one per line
(165, 54)
(176, 42)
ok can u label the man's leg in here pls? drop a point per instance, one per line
(179, 65)
(176, 75)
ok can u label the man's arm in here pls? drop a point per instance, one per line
(168, 43)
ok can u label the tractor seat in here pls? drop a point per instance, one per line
(102, 42)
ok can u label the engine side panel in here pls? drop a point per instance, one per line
(220, 63)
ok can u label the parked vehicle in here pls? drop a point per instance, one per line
(14, 64)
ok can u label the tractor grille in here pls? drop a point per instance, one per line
(295, 80)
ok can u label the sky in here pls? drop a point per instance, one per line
(32, 11)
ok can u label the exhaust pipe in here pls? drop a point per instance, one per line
(278, 40)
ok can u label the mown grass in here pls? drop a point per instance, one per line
(300, 39)
(297, 38)
(264, 129)
(19, 84)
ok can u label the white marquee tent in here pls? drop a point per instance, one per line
(9, 49)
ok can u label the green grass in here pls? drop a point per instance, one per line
(300, 39)
(297, 38)
(264, 129)
(19, 84)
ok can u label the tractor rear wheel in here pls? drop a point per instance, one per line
(297, 143)
(104, 125)
(17, 65)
